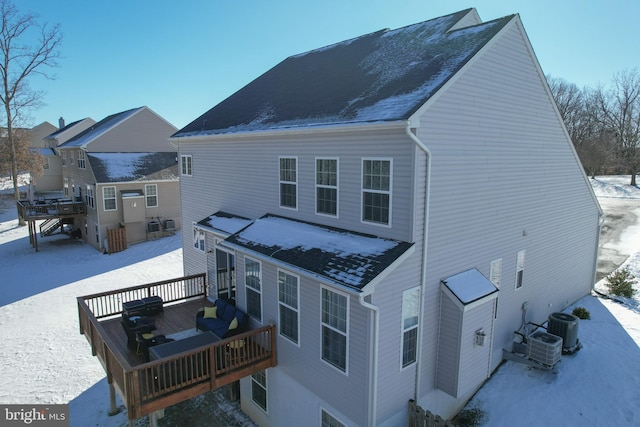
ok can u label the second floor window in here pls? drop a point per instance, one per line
(81, 160)
(288, 305)
(288, 182)
(327, 186)
(376, 191)
(71, 157)
(520, 269)
(254, 293)
(109, 198)
(186, 165)
(89, 197)
(151, 195)
(63, 156)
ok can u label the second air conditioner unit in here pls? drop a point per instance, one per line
(544, 348)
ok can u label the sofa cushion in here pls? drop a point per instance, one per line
(229, 313)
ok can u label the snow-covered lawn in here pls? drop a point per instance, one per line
(46, 360)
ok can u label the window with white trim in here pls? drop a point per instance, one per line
(495, 274)
(63, 156)
(288, 296)
(198, 239)
(376, 191)
(335, 313)
(327, 186)
(520, 269)
(252, 280)
(109, 198)
(410, 311)
(66, 187)
(186, 162)
(89, 197)
(151, 195)
(81, 160)
(328, 420)
(259, 389)
(71, 157)
(288, 182)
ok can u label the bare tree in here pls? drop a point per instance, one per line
(620, 109)
(28, 48)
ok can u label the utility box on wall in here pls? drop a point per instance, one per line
(133, 207)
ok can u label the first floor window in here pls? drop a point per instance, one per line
(198, 239)
(410, 310)
(109, 198)
(63, 156)
(252, 280)
(288, 182)
(259, 389)
(97, 234)
(376, 191)
(186, 165)
(519, 269)
(288, 305)
(151, 195)
(89, 197)
(329, 420)
(66, 187)
(334, 328)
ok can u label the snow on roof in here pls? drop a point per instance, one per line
(100, 128)
(225, 222)
(120, 167)
(382, 76)
(350, 258)
(469, 286)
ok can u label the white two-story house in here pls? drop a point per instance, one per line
(386, 201)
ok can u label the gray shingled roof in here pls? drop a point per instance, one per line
(342, 256)
(126, 167)
(382, 76)
(67, 127)
(99, 128)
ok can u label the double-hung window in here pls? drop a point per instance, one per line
(63, 156)
(329, 420)
(327, 186)
(151, 195)
(335, 311)
(109, 198)
(81, 160)
(252, 279)
(66, 187)
(71, 157)
(198, 239)
(288, 182)
(259, 389)
(90, 197)
(186, 165)
(376, 191)
(410, 310)
(288, 305)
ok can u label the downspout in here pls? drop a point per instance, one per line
(595, 257)
(423, 281)
(373, 359)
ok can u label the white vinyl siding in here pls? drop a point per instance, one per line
(327, 187)
(335, 318)
(288, 297)
(376, 191)
(186, 165)
(288, 182)
(252, 281)
(151, 195)
(109, 198)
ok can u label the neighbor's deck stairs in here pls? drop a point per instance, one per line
(49, 226)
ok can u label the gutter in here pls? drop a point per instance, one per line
(423, 281)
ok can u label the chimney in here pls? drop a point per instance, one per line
(60, 122)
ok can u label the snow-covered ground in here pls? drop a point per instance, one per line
(46, 360)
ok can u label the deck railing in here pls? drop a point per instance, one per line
(50, 208)
(155, 385)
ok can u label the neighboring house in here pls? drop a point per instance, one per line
(47, 142)
(126, 171)
(391, 203)
(50, 167)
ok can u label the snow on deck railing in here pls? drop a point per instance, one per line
(110, 303)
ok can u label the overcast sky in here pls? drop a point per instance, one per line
(181, 58)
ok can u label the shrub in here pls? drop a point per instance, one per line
(621, 282)
(581, 313)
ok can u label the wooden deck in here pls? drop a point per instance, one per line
(146, 387)
(55, 212)
(177, 317)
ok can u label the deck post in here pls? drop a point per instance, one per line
(113, 409)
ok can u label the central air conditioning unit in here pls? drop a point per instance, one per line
(169, 224)
(565, 326)
(153, 226)
(544, 348)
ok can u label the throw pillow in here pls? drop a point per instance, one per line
(211, 312)
(233, 324)
(147, 336)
